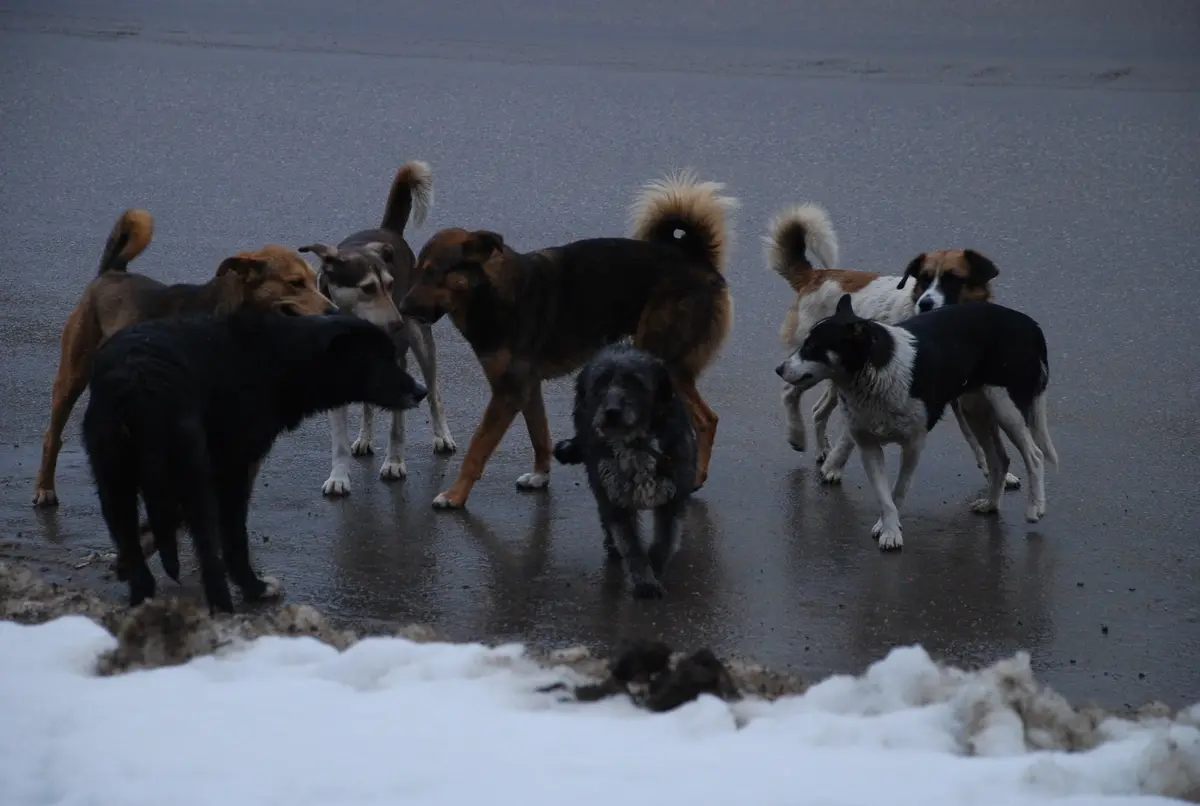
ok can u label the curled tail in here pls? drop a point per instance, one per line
(129, 238)
(1039, 426)
(795, 232)
(410, 198)
(680, 209)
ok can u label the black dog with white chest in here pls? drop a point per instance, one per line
(634, 436)
(182, 411)
(894, 382)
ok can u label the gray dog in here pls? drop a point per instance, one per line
(635, 438)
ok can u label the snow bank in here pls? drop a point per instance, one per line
(292, 720)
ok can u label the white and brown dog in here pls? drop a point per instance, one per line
(931, 280)
(367, 274)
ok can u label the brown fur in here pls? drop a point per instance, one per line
(539, 315)
(274, 277)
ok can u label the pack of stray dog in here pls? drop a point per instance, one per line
(192, 383)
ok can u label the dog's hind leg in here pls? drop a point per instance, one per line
(80, 336)
(797, 436)
(393, 466)
(118, 493)
(201, 511)
(233, 505)
(821, 412)
(979, 417)
(163, 517)
(1011, 482)
(622, 524)
(666, 538)
(704, 421)
(362, 445)
(425, 351)
(1013, 423)
(887, 529)
(338, 482)
(538, 426)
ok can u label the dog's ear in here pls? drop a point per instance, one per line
(383, 250)
(482, 245)
(242, 265)
(912, 269)
(321, 250)
(845, 306)
(982, 270)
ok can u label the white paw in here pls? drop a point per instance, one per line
(1011, 482)
(533, 481)
(877, 529)
(45, 498)
(890, 539)
(444, 444)
(362, 447)
(1034, 512)
(274, 587)
(393, 469)
(830, 475)
(983, 506)
(443, 501)
(338, 483)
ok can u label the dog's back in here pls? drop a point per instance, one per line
(976, 344)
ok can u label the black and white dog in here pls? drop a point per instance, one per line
(895, 381)
(634, 436)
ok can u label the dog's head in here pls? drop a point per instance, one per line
(358, 363)
(836, 347)
(359, 280)
(450, 272)
(949, 276)
(626, 391)
(277, 278)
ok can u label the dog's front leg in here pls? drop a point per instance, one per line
(338, 482)
(910, 455)
(821, 413)
(423, 347)
(497, 417)
(233, 507)
(393, 466)
(887, 529)
(797, 437)
(622, 524)
(835, 464)
(538, 426)
(666, 537)
(362, 446)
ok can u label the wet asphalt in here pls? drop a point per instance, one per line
(1062, 142)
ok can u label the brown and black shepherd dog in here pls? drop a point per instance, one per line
(273, 278)
(538, 315)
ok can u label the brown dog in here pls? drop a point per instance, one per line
(274, 277)
(539, 315)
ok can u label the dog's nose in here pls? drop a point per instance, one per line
(612, 415)
(924, 304)
(331, 309)
(779, 370)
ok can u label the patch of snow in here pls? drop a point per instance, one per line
(291, 720)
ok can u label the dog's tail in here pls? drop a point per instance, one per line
(129, 238)
(680, 209)
(793, 234)
(1039, 426)
(410, 198)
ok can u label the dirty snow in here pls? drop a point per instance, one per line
(291, 720)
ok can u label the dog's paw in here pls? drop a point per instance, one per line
(830, 475)
(1011, 482)
(45, 497)
(362, 447)
(444, 443)
(447, 500)
(1034, 512)
(648, 589)
(984, 506)
(890, 539)
(337, 484)
(533, 481)
(612, 553)
(798, 439)
(272, 589)
(393, 469)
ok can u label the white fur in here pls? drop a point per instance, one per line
(533, 481)
(819, 235)
(422, 191)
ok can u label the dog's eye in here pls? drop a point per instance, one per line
(299, 284)
(369, 289)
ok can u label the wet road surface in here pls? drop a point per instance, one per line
(1062, 143)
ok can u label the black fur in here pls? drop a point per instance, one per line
(636, 440)
(959, 349)
(182, 409)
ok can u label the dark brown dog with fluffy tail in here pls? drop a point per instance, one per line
(538, 315)
(272, 278)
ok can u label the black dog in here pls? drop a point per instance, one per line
(624, 404)
(183, 411)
